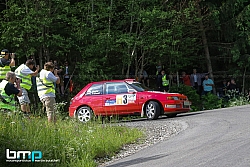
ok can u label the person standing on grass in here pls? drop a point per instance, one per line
(25, 73)
(196, 81)
(208, 85)
(46, 89)
(186, 79)
(8, 89)
(165, 82)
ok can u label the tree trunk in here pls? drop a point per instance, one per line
(40, 55)
(206, 48)
(244, 79)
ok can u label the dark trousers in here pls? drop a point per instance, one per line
(206, 92)
(165, 88)
(197, 88)
(66, 84)
(158, 81)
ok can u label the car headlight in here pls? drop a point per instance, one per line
(172, 98)
(71, 101)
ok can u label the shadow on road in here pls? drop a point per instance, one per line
(189, 114)
(138, 161)
(162, 117)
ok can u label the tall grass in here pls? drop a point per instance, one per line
(68, 141)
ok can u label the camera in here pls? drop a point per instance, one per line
(12, 55)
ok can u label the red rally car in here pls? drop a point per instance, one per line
(125, 97)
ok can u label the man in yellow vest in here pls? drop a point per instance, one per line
(24, 72)
(165, 82)
(6, 61)
(46, 89)
(8, 89)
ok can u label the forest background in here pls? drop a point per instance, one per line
(105, 39)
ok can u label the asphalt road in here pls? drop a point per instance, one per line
(214, 138)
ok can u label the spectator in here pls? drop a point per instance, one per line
(6, 62)
(186, 79)
(24, 72)
(144, 78)
(67, 76)
(173, 79)
(60, 86)
(208, 85)
(132, 72)
(159, 68)
(196, 80)
(8, 89)
(232, 85)
(46, 89)
(165, 82)
(223, 88)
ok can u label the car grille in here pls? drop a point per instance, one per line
(178, 106)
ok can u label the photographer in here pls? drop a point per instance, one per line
(46, 89)
(6, 61)
(8, 89)
(24, 72)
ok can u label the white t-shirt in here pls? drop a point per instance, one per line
(195, 78)
(67, 72)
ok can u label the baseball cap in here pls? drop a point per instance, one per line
(4, 52)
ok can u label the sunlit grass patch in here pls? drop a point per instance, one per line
(70, 142)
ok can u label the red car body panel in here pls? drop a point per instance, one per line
(130, 103)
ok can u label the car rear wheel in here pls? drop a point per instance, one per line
(84, 114)
(152, 110)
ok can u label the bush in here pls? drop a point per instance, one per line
(211, 101)
(235, 98)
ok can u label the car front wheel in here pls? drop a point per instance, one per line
(152, 110)
(84, 114)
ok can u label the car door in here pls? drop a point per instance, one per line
(95, 97)
(118, 99)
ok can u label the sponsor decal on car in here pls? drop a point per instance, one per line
(110, 102)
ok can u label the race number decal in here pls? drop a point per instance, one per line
(125, 99)
(121, 99)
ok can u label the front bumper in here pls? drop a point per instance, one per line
(173, 106)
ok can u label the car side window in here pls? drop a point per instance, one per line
(95, 89)
(116, 88)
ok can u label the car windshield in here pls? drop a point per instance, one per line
(138, 87)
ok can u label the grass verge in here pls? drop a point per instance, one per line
(68, 143)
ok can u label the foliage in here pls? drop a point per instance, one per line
(211, 101)
(235, 98)
(190, 93)
(70, 142)
(104, 39)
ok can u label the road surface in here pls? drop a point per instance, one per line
(214, 138)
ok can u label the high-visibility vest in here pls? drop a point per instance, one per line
(165, 82)
(44, 86)
(26, 79)
(7, 102)
(3, 71)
